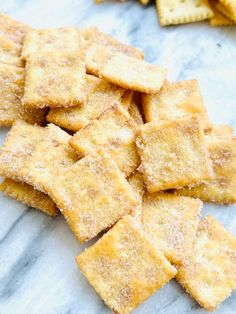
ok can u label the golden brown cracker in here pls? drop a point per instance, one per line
(27, 195)
(220, 130)
(180, 12)
(115, 132)
(173, 153)
(124, 268)
(219, 19)
(134, 74)
(11, 90)
(209, 274)
(227, 8)
(171, 222)
(55, 79)
(138, 186)
(100, 95)
(10, 52)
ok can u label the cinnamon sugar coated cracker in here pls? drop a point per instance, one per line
(221, 189)
(55, 79)
(11, 91)
(138, 186)
(178, 12)
(170, 151)
(175, 100)
(27, 195)
(124, 268)
(92, 195)
(209, 274)
(171, 222)
(115, 131)
(134, 74)
(10, 52)
(100, 95)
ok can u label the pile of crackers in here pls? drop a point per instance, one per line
(173, 12)
(127, 155)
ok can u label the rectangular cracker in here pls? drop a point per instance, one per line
(27, 195)
(221, 189)
(100, 95)
(124, 268)
(13, 29)
(173, 153)
(100, 46)
(11, 90)
(115, 132)
(134, 74)
(18, 147)
(65, 39)
(55, 79)
(174, 101)
(92, 195)
(227, 8)
(209, 274)
(180, 12)
(171, 222)
(10, 52)
(138, 186)
(219, 19)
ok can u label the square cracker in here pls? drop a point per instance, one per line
(124, 268)
(92, 195)
(27, 195)
(227, 8)
(55, 79)
(18, 147)
(173, 154)
(180, 12)
(209, 274)
(64, 39)
(219, 19)
(134, 74)
(222, 188)
(11, 90)
(171, 222)
(174, 101)
(100, 95)
(12, 29)
(100, 46)
(113, 130)
(10, 52)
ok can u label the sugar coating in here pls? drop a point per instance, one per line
(209, 274)
(173, 154)
(12, 89)
(124, 268)
(221, 189)
(180, 12)
(10, 52)
(100, 46)
(174, 101)
(113, 130)
(171, 222)
(100, 95)
(29, 196)
(134, 74)
(55, 79)
(220, 130)
(138, 186)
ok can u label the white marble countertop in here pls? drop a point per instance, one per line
(38, 273)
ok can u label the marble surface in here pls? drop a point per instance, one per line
(38, 273)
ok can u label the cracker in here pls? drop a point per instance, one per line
(18, 147)
(12, 29)
(92, 195)
(100, 96)
(209, 274)
(11, 91)
(173, 153)
(219, 19)
(64, 39)
(174, 101)
(134, 74)
(29, 196)
(10, 52)
(227, 8)
(113, 130)
(137, 184)
(220, 130)
(180, 12)
(171, 222)
(124, 268)
(55, 79)
(100, 46)
(221, 189)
